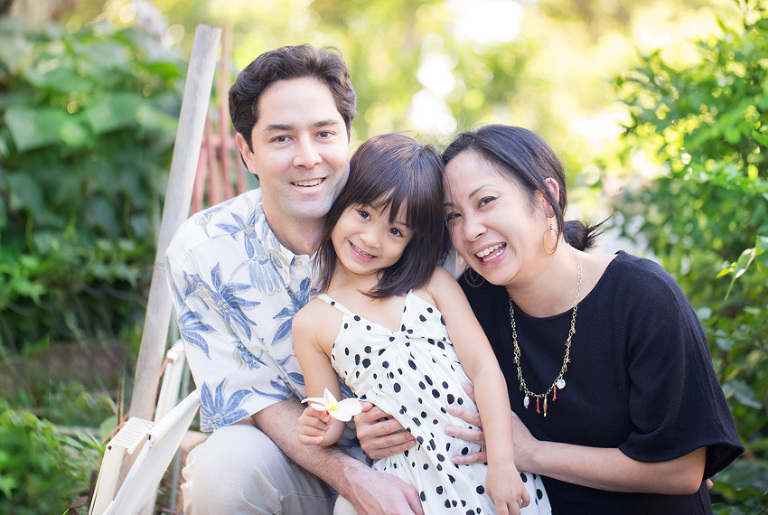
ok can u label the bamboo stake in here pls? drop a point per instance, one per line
(222, 94)
(186, 151)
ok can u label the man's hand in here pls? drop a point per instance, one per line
(380, 493)
(381, 435)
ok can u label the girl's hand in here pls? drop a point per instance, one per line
(506, 489)
(381, 435)
(312, 426)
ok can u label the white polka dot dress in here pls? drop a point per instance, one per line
(412, 374)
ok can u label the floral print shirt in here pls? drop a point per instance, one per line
(236, 290)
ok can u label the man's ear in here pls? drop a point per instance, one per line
(246, 154)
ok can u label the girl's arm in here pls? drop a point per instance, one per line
(310, 330)
(479, 362)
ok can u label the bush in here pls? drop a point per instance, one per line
(706, 216)
(87, 123)
(41, 470)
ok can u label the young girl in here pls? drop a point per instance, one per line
(395, 327)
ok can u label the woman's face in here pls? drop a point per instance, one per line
(492, 223)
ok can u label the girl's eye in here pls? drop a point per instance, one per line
(450, 217)
(363, 214)
(395, 231)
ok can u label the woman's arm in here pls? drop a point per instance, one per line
(316, 427)
(608, 468)
(601, 468)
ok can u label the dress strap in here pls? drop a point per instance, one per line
(333, 303)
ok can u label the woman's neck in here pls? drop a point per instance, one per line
(554, 290)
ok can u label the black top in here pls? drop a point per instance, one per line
(640, 379)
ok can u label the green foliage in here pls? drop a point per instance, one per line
(87, 122)
(706, 215)
(42, 470)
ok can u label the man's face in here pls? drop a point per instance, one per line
(300, 152)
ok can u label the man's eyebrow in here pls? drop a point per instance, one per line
(276, 127)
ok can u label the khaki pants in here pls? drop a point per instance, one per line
(239, 470)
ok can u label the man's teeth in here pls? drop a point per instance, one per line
(490, 250)
(313, 182)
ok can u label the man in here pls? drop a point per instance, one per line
(240, 270)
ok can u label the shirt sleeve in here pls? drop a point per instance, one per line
(231, 367)
(676, 402)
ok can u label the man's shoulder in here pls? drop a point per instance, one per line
(226, 219)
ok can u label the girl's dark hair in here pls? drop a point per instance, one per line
(394, 170)
(526, 158)
(285, 63)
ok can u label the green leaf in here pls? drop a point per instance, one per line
(109, 112)
(34, 127)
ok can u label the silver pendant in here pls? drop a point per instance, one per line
(560, 383)
(526, 402)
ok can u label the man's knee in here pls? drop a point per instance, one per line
(238, 469)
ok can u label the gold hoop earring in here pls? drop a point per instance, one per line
(550, 249)
(474, 279)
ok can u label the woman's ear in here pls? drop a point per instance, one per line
(554, 190)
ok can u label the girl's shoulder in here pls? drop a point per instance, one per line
(314, 312)
(439, 285)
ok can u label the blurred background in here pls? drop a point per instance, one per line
(658, 110)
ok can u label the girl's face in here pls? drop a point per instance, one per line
(492, 223)
(366, 243)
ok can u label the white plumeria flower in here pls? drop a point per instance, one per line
(342, 410)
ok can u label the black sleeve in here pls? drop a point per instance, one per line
(676, 402)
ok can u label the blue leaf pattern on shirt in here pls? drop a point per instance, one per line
(246, 228)
(298, 300)
(246, 358)
(229, 305)
(215, 411)
(286, 392)
(265, 278)
(190, 325)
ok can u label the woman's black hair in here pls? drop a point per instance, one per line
(525, 157)
(394, 170)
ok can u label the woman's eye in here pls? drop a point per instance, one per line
(396, 232)
(485, 200)
(450, 217)
(363, 214)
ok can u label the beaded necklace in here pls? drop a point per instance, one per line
(559, 382)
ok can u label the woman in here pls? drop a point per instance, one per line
(606, 363)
